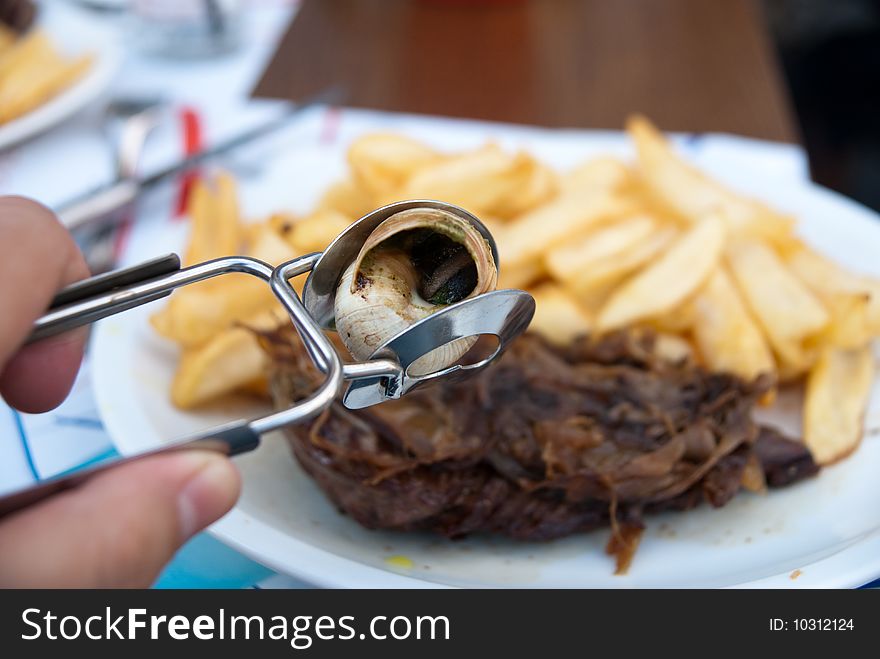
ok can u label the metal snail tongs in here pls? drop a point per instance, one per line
(384, 375)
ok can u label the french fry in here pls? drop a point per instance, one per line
(837, 394)
(540, 185)
(23, 53)
(558, 316)
(678, 320)
(214, 219)
(825, 277)
(196, 314)
(693, 195)
(520, 276)
(7, 39)
(598, 174)
(527, 238)
(315, 232)
(486, 181)
(199, 208)
(849, 325)
(381, 163)
(591, 285)
(231, 360)
(669, 281)
(21, 95)
(580, 253)
(784, 307)
(672, 347)
(226, 223)
(728, 338)
(267, 245)
(347, 198)
(281, 223)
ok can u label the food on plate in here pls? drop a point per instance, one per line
(32, 71)
(550, 441)
(726, 334)
(680, 303)
(670, 280)
(212, 321)
(837, 389)
(559, 317)
(413, 264)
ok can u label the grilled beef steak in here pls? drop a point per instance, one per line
(546, 443)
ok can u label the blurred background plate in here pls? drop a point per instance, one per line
(821, 533)
(85, 91)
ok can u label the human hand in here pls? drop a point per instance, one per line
(119, 528)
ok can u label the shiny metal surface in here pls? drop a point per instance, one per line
(503, 314)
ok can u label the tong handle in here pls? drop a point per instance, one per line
(230, 440)
(109, 294)
(57, 322)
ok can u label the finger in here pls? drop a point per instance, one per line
(37, 258)
(120, 528)
(39, 376)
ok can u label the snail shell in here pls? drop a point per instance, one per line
(414, 263)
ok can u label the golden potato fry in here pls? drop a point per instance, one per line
(226, 223)
(271, 247)
(526, 239)
(520, 276)
(592, 284)
(495, 225)
(7, 39)
(558, 316)
(267, 245)
(315, 232)
(281, 224)
(348, 198)
(194, 315)
(569, 259)
(199, 208)
(823, 276)
(43, 80)
(214, 219)
(677, 320)
(693, 195)
(486, 181)
(598, 174)
(838, 389)
(23, 53)
(540, 185)
(673, 348)
(784, 307)
(382, 162)
(728, 338)
(670, 280)
(231, 360)
(849, 325)
(258, 387)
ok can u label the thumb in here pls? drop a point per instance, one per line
(119, 528)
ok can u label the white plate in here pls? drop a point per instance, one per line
(78, 96)
(827, 527)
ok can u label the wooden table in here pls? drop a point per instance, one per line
(696, 65)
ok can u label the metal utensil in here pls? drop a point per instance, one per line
(104, 201)
(504, 314)
(129, 123)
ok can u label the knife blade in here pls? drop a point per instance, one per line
(102, 202)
